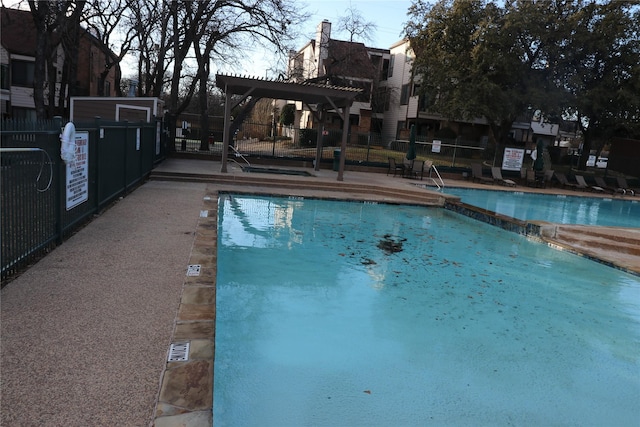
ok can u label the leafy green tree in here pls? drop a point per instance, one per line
(461, 64)
(498, 61)
(600, 67)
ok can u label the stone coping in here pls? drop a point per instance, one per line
(186, 390)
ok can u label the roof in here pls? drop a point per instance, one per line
(309, 93)
(544, 128)
(18, 32)
(349, 59)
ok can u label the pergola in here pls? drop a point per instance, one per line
(316, 97)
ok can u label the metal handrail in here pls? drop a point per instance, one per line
(439, 185)
(239, 154)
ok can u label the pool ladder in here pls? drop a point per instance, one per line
(237, 153)
(439, 184)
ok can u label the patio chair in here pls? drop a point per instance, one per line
(497, 176)
(622, 183)
(408, 167)
(476, 174)
(417, 169)
(562, 179)
(395, 167)
(600, 182)
(582, 185)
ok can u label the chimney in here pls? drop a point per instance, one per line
(323, 34)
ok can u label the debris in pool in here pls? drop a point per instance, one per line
(368, 261)
(390, 245)
(367, 391)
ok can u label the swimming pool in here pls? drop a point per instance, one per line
(337, 313)
(553, 208)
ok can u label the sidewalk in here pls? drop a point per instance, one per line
(85, 331)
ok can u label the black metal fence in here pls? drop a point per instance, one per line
(43, 200)
(257, 140)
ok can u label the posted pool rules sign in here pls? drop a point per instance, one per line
(78, 172)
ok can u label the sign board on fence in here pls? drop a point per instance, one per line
(512, 159)
(78, 173)
(435, 147)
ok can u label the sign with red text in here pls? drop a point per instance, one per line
(78, 172)
(512, 159)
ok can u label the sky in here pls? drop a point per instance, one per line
(389, 16)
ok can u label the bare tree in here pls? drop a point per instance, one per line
(52, 20)
(354, 24)
(105, 21)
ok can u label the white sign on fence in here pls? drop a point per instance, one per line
(512, 159)
(78, 172)
(435, 147)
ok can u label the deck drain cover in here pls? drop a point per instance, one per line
(204, 214)
(179, 352)
(193, 270)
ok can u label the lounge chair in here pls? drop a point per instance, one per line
(497, 176)
(395, 167)
(582, 184)
(600, 182)
(476, 174)
(622, 183)
(548, 176)
(531, 178)
(562, 179)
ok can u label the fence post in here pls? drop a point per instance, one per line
(124, 158)
(97, 163)
(61, 187)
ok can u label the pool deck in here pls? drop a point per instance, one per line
(86, 331)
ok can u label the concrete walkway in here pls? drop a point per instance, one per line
(86, 331)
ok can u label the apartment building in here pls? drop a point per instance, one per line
(17, 65)
(341, 63)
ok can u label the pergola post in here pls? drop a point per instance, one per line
(345, 135)
(320, 137)
(227, 127)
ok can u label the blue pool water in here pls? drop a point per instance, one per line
(552, 208)
(350, 314)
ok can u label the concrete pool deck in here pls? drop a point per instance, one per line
(86, 331)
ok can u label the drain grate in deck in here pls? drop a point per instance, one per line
(179, 352)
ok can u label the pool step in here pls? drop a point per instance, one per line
(608, 238)
(298, 186)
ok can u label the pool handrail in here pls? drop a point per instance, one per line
(432, 179)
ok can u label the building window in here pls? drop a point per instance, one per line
(22, 73)
(385, 69)
(4, 76)
(392, 60)
(402, 125)
(107, 88)
(404, 94)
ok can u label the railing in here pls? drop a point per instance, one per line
(439, 182)
(42, 200)
(255, 140)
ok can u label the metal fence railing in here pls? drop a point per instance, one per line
(256, 140)
(43, 200)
